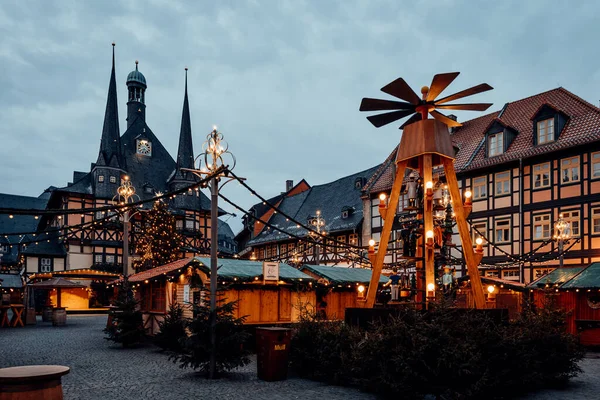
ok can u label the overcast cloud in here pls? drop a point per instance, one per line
(282, 79)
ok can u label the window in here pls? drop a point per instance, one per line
(492, 274)
(502, 231)
(3, 248)
(98, 259)
(541, 175)
(353, 239)
(344, 214)
(100, 178)
(545, 131)
(511, 274)
(572, 217)
(569, 170)
(269, 252)
(496, 144)
(503, 183)
(596, 220)
(541, 272)
(113, 179)
(478, 229)
(596, 165)
(541, 227)
(189, 224)
(45, 265)
(480, 188)
(110, 259)
(179, 224)
(144, 147)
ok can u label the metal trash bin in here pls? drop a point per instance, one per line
(272, 353)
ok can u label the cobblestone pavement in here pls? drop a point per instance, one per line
(101, 370)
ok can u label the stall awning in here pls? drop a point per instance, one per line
(589, 278)
(56, 283)
(11, 281)
(514, 285)
(161, 270)
(343, 275)
(82, 273)
(246, 270)
(556, 277)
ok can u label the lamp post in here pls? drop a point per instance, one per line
(125, 195)
(317, 222)
(210, 162)
(562, 232)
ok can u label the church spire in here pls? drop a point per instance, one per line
(110, 144)
(185, 152)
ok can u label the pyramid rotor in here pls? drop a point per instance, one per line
(418, 107)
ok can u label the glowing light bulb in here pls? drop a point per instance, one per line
(491, 289)
(468, 194)
(371, 243)
(382, 196)
(479, 241)
(361, 289)
(430, 287)
(428, 185)
(429, 234)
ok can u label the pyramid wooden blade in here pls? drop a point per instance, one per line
(439, 83)
(414, 118)
(400, 89)
(384, 119)
(442, 118)
(484, 87)
(368, 104)
(470, 107)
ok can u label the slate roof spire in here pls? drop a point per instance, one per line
(185, 152)
(110, 144)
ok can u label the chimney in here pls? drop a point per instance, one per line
(289, 184)
(453, 118)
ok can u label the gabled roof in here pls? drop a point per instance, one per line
(556, 277)
(8, 281)
(45, 245)
(56, 283)
(589, 278)
(343, 275)
(328, 198)
(583, 127)
(246, 270)
(161, 270)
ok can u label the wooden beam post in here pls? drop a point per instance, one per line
(385, 234)
(427, 169)
(465, 236)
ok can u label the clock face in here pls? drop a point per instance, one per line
(144, 147)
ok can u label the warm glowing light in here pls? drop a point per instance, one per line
(479, 241)
(382, 197)
(468, 194)
(361, 289)
(491, 289)
(371, 243)
(214, 127)
(428, 185)
(430, 287)
(429, 234)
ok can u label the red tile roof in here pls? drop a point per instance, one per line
(582, 127)
(163, 269)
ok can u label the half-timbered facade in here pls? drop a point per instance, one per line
(139, 156)
(527, 163)
(334, 209)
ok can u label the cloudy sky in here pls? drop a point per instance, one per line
(282, 79)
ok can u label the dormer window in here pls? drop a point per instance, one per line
(113, 179)
(545, 131)
(100, 178)
(344, 214)
(495, 144)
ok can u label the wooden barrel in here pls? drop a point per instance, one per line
(47, 314)
(32, 382)
(59, 316)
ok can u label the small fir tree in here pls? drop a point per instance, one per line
(172, 329)
(230, 336)
(127, 325)
(160, 242)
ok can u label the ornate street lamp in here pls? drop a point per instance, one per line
(562, 233)
(125, 195)
(212, 162)
(318, 222)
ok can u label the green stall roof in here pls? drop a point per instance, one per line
(246, 270)
(589, 278)
(343, 275)
(557, 277)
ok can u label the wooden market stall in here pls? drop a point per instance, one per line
(186, 281)
(338, 288)
(62, 294)
(11, 300)
(499, 294)
(577, 291)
